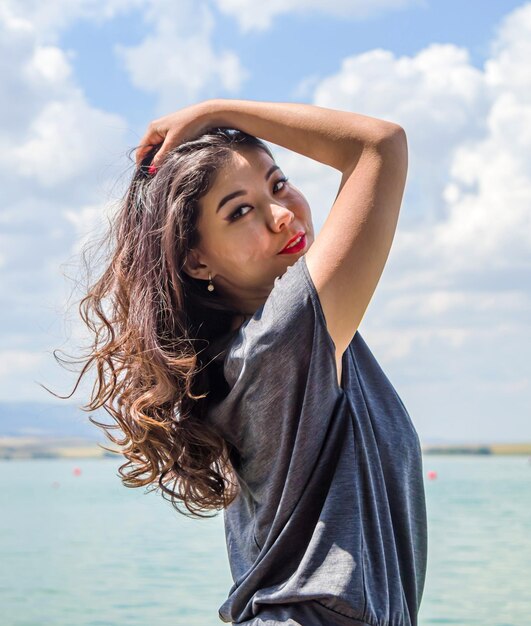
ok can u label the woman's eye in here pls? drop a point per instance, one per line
(284, 180)
(236, 215)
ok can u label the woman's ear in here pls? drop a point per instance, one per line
(193, 266)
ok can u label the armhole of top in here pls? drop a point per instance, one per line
(314, 294)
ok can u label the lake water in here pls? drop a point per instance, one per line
(84, 550)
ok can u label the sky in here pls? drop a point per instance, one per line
(450, 320)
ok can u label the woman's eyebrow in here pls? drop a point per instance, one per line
(242, 192)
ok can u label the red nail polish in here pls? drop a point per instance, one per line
(152, 169)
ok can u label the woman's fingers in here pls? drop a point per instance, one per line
(175, 128)
(170, 141)
(155, 135)
(141, 152)
(152, 136)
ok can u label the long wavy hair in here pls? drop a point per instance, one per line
(151, 323)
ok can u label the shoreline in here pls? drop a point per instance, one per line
(12, 448)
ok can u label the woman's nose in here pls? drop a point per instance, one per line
(281, 215)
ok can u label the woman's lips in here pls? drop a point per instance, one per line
(297, 247)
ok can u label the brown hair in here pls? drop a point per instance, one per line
(149, 319)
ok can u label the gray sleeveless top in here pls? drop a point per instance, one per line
(330, 523)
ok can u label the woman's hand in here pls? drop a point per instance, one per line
(176, 128)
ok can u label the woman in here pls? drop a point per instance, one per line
(232, 361)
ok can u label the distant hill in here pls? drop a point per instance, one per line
(55, 420)
(39, 419)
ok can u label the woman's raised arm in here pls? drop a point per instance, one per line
(326, 135)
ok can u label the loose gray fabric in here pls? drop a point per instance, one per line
(330, 524)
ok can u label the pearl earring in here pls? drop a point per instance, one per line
(210, 285)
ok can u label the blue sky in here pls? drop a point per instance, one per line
(276, 60)
(449, 322)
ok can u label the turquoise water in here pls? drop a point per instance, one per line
(84, 550)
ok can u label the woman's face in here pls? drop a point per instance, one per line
(241, 236)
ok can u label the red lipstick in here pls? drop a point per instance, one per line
(298, 246)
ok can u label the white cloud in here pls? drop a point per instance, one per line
(48, 66)
(437, 96)
(89, 222)
(253, 16)
(24, 79)
(68, 138)
(181, 42)
(450, 306)
(23, 371)
(468, 197)
(493, 220)
(57, 152)
(18, 361)
(53, 133)
(507, 68)
(46, 20)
